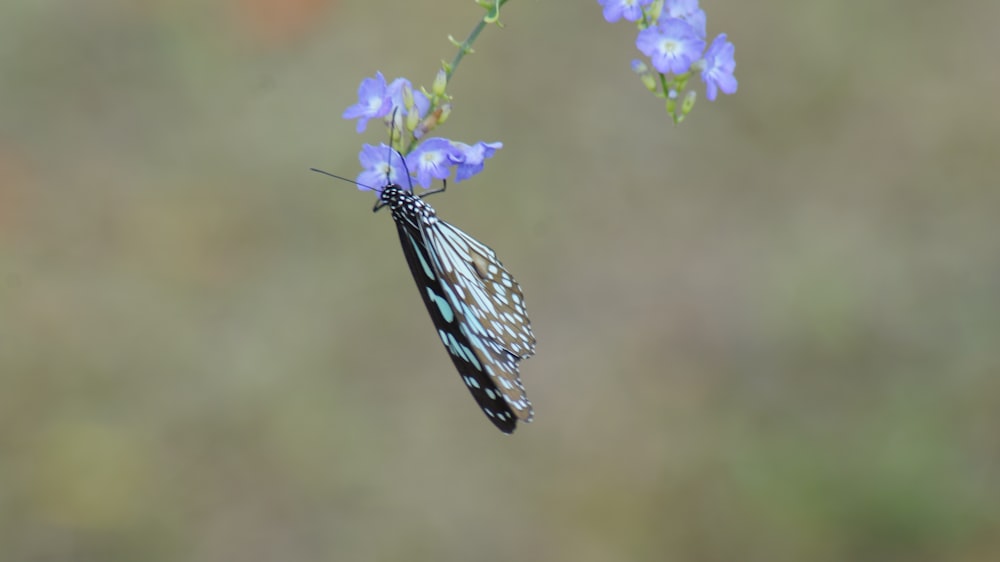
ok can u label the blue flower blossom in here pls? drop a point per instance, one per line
(671, 46)
(471, 158)
(378, 171)
(420, 101)
(688, 11)
(672, 33)
(631, 10)
(432, 160)
(719, 65)
(412, 159)
(373, 101)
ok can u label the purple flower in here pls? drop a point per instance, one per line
(471, 158)
(378, 172)
(373, 102)
(671, 46)
(719, 65)
(420, 101)
(631, 10)
(688, 11)
(432, 160)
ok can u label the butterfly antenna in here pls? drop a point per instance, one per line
(392, 140)
(348, 180)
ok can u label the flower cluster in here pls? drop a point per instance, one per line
(409, 115)
(672, 35)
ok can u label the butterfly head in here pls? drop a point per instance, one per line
(393, 196)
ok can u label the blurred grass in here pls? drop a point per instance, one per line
(767, 334)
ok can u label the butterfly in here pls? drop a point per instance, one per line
(474, 302)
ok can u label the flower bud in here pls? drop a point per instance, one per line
(440, 83)
(408, 98)
(412, 120)
(648, 80)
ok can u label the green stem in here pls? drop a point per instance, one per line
(464, 48)
(663, 84)
(466, 45)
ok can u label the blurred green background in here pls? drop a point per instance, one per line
(768, 334)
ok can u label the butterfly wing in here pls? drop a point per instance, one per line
(475, 358)
(484, 294)
(482, 281)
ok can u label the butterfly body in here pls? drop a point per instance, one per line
(474, 302)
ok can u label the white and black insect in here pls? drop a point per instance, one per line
(474, 302)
